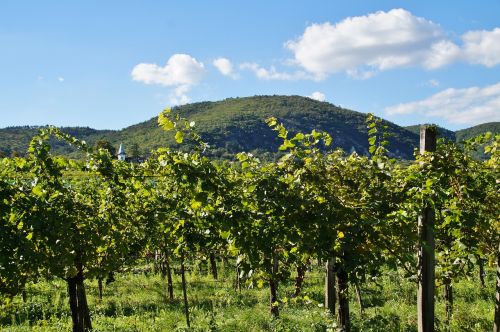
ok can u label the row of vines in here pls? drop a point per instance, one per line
(82, 220)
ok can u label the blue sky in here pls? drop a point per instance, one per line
(111, 64)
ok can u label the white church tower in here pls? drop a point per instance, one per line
(121, 153)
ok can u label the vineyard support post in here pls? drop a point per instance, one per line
(330, 286)
(237, 285)
(343, 317)
(448, 299)
(213, 265)
(184, 291)
(482, 274)
(359, 296)
(157, 263)
(496, 327)
(170, 284)
(273, 287)
(426, 258)
(299, 280)
(99, 286)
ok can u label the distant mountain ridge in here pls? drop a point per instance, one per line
(462, 134)
(16, 139)
(238, 124)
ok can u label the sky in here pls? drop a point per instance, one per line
(111, 64)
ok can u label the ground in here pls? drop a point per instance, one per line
(138, 301)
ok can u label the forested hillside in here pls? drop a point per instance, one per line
(467, 133)
(15, 140)
(463, 134)
(442, 132)
(238, 124)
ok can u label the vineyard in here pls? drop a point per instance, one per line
(311, 236)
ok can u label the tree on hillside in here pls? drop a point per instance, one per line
(106, 145)
(134, 151)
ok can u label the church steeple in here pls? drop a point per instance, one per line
(121, 153)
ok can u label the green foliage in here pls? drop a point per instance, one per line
(65, 218)
(106, 145)
(134, 151)
(72, 218)
(461, 191)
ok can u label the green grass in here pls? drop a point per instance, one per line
(138, 302)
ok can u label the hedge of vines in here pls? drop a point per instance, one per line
(79, 220)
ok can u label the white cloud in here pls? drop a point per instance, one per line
(318, 96)
(469, 106)
(361, 74)
(478, 47)
(482, 47)
(60, 79)
(378, 41)
(181, 69)
(364, 45)
(182, 72)
(273, 74)
(178, 96)
(441, 54)
(225, 67)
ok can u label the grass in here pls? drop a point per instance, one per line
(138, 302)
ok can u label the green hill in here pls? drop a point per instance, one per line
(467, 133)
(234, 125)
(238, 124)
(442, 132)
(463, 134)
(15, 140)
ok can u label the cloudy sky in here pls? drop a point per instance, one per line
(111, 64)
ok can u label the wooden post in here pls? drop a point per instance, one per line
(156, 264)
(426, 259)
(170, 284)
(448, 299)
(482, 274)
(496, 327)
(360, 298)
(184, 291)
(99, 286)
(238, 279)
(343, 317)
(273, 287)
(213, 265)
(299, 280)
(330, 287)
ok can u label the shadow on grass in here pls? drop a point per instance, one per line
(379, 323)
